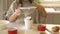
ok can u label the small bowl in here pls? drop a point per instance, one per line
(3, 24)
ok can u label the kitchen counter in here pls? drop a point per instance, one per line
(52, 10)
(21, 30)
(52, 16)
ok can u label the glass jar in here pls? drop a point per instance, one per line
(28, 22)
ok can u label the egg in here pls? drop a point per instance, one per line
(55, 29)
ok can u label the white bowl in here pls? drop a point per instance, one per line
(5, 21)
(3, 24)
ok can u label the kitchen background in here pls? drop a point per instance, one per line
(52, 8)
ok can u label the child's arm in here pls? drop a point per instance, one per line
(15, 15)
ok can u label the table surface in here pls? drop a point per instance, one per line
(21, 29)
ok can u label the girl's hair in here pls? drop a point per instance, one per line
(21, 2)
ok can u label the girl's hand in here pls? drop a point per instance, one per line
(17, 12)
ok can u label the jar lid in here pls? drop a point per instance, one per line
(28, 17)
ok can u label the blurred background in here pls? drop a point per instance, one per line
(52, 8)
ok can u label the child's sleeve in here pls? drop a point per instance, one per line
(10, 11)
